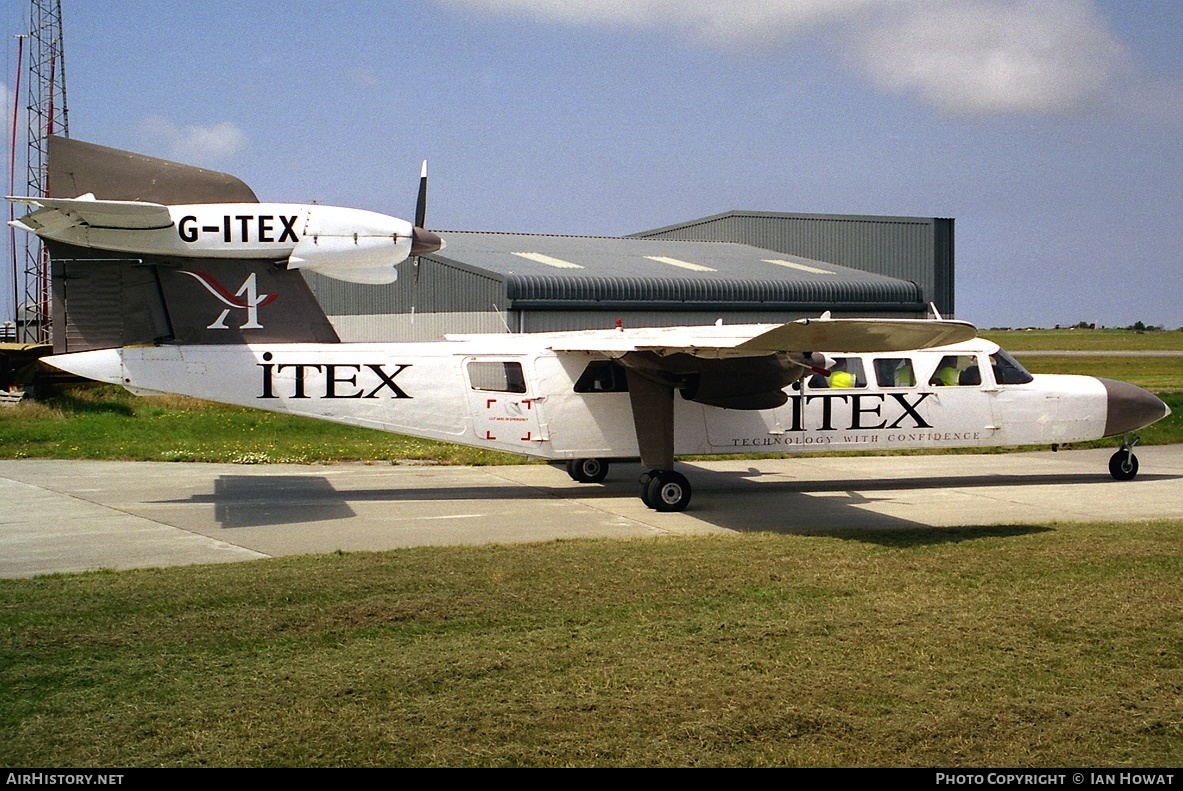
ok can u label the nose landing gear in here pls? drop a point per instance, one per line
(1123, 465)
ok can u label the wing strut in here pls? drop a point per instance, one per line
(653, 415)
(662, 488)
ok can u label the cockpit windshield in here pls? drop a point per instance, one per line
(1007, 370)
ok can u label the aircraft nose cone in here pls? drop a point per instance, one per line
(424, 241)
(1130, 407)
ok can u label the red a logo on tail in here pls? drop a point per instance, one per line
(246, 298)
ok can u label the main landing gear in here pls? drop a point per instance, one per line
(661, 490)
(665, 490)
(1123, 465)
(587, 470)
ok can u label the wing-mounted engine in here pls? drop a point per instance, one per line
(361, 246)
(748, 383)
(353, 245)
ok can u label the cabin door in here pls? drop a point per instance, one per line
(504, 408)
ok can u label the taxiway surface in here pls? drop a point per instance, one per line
(67, 516)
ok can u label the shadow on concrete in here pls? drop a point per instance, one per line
(732, 479)
(736, 500)
(253, 501)
(732, 500)
(268, 500)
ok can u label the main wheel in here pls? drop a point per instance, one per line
(588, 470)
(1123, 465)
(644, 480)
(668, 491)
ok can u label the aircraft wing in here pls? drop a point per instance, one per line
(753, 340)
(56, 214)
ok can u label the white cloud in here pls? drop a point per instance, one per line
(973, 57)
(194, 143)
(964, 57)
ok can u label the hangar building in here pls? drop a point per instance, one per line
(740, 267)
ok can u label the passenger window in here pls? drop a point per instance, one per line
(497, 377)
(1007, 370)
(846, 372)
(895, 372)
(957, 370)
(602, 376)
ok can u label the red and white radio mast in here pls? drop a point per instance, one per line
(47, 115)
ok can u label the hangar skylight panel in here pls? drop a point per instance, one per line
(549, 260)
(662, 259)
(796, 265)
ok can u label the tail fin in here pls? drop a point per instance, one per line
(104, 300)
(77, 167)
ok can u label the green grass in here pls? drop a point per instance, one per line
(110, 423)
(1086, 340)
(1003, 646)
(1156, 374)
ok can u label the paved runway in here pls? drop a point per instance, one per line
(65, 516)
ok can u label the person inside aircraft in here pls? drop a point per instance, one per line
(847, 372)
(946, 372)
(956, 370)
(894, 372)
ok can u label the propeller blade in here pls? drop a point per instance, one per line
(423, 241)
(421, 203)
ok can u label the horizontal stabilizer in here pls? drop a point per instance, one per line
(58, 213)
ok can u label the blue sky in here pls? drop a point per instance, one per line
(1052, 130)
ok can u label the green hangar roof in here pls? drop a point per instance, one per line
(918, 249)
(580, 272)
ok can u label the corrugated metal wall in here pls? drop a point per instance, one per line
(418, 326)
(583, 293)
(556, 320)
(919, 249)
(438, 287)
(442, 299)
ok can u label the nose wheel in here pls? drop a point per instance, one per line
(1123, 465)
(665, 490)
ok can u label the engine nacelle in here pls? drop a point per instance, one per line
(749, 383)
(352, 244)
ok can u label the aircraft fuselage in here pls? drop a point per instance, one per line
(511, 393)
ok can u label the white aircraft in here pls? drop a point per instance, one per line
(596, 396)
(586, 397)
